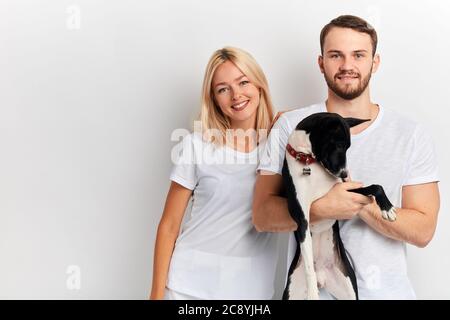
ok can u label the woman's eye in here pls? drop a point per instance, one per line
(221, 90)
(243, 83)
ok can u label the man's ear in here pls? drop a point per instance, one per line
(320, 62)
(375, 63)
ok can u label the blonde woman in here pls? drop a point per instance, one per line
(218, 254)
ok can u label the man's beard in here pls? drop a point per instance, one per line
(349, 93)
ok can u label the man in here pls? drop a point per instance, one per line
(389, 150)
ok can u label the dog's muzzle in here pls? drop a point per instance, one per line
(343, 174)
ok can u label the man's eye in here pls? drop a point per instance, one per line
(334, 56)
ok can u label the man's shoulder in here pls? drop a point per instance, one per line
(294, 116)
(399, 122)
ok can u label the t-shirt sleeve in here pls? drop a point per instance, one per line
(184, 164)
(423, 164)
(273, 155)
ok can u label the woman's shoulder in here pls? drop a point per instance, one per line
(192, 139)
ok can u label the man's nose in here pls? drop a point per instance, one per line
(346, 65)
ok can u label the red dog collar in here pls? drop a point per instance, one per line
(300, 156)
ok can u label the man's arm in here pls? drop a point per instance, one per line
(270, 211)
(339, 203)
(416, 219)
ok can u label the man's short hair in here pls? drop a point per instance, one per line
(351, 22)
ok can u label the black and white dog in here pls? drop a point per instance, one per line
(315, 161)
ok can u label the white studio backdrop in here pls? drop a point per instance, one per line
(90, 92)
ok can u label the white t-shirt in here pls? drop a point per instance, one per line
(392, 152)
(219, 254)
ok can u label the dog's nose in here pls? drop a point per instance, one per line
(344, 174)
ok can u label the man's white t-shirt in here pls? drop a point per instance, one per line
(392, 152)
(219, 254)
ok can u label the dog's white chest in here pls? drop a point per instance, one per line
(313, 186)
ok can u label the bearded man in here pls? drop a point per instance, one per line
(389, 150)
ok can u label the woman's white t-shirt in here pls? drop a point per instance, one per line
(219, 254)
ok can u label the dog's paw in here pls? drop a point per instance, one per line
(390, 215)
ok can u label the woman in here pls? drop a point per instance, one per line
(218, 254)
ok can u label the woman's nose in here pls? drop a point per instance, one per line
(235, 94)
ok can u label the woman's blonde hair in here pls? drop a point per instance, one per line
(211, 116)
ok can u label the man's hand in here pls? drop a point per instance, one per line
(339, 203)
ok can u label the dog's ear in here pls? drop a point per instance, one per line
(352, 122)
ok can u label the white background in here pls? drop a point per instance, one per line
(90, 92)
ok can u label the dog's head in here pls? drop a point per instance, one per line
(327, 137)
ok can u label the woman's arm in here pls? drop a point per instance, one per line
(168, 229)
